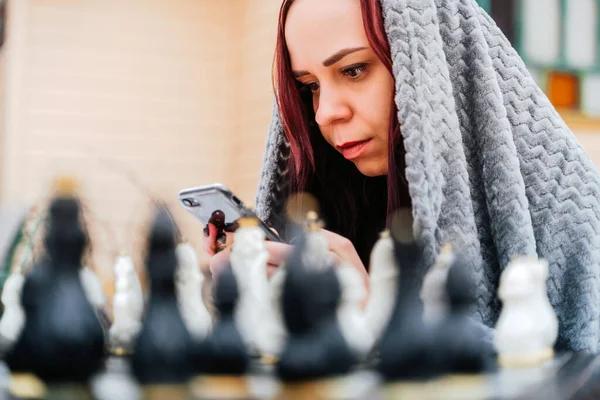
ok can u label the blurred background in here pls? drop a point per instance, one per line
(138, 99)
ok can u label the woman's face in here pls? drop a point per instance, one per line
(353, 91)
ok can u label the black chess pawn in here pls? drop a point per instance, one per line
(315, 349)
(222, 359)
(407, 351)
(460, 340)
(162, 354)
(62, 342)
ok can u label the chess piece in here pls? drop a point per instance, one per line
(459, 339)
(128, 307)
(62, 342)
(407, 350)
(222, 359)
(162, 360)
(95, 294)
(433, 291)
(315, 349)
(189, 281)
(13, 317)
(518, 337)
(249, 263)
(274, 333)
(383, 275)
(350, 313)
(92, 287)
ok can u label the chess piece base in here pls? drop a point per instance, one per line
(525, 360)
(165, 391)
(325, 389)
(220, 387)
(26, 386)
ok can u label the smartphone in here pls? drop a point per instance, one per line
(202, 201)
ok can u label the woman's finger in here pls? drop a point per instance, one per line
(278, 252)
(209, 242)
(219, 261)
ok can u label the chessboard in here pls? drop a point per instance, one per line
(302, 334)
(567, 376)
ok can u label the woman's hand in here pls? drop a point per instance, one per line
(277, 253)
(210, 243)
(343, 250)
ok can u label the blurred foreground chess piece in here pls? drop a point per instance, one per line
(527, 327)
(433, 292)
(162, 360)
(13, 317)
(189, 282)
(350, 312)
(316, 358)
(383, 274)
(128, 307)
(62, 341)
(408, 354)
(222, 359)
(464, 357)
(253, 314)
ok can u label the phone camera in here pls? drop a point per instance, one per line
(190, 202)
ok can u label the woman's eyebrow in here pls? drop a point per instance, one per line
(332, 59)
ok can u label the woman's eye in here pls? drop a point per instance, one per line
(356, 71)
(313, 86)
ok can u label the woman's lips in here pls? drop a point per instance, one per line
(352, 150)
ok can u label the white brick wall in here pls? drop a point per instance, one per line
(176, 92)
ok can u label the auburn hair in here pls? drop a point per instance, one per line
(314, 165)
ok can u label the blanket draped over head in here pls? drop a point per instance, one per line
(489, 162)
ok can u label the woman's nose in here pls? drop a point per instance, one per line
(331, 107)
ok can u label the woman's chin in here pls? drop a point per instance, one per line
(370, 168)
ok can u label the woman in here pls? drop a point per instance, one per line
(388, 104)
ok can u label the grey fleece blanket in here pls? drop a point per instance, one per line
(491, 166)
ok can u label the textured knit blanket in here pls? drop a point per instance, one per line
(491, 166)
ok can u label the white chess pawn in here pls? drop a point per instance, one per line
(383, 275)
(128, 303)
(545, 315)
(248, 258)
(13, 318)
(433, 292)
(517, 336)
(188, 282)
(92, 287)
(316, 252)
(273, 331)
(351, 317)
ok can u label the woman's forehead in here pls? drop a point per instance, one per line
(316, 29)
